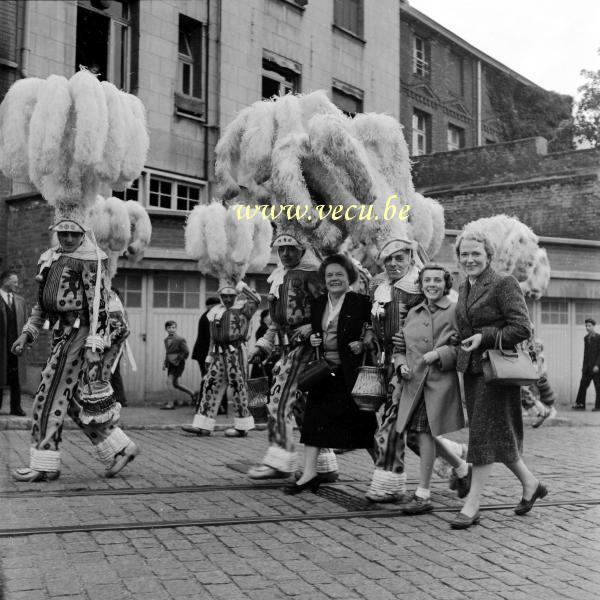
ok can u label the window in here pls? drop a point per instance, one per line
(103, 38)
(155, 190)
(176, 291)
(456, 137)
(131, 193)
(455, 74)
(585, 309)
(347, 98)
(130, 288)
(174, 195)
(555, 312)
(348, 15)
(278, 80)
(161, 191)
(189, 96)
(421, 57)
(421, 133)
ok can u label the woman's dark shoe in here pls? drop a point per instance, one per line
(461, 521)
(312, 485)
(526, 505)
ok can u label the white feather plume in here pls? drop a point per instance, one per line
(15, 114)
(140, 229)
(91, 118)
(47, 126)
(113, 154)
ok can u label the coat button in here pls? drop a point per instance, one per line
(425, 339)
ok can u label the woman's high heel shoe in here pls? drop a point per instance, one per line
(312, 485)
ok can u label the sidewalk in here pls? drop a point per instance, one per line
(151, 417)
(132, 417)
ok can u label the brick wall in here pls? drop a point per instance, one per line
(557, 194)
(8, 52)
(568, 208)
(507, 161)
(29, 217)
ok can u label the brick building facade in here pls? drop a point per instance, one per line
(455, 96)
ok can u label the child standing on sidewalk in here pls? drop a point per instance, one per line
(177, 351)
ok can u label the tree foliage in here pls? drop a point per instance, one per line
(527, 111)
(587, 116)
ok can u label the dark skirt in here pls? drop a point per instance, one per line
(495, 421)
(176, 370)
(332, 419)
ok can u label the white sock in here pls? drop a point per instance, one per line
(463, 470)
(423, 493)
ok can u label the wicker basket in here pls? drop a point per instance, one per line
(370, 389)
(98, 402)
(258, 391)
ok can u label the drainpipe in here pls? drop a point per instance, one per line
(24, 48)
(479, 99)
(206, 120)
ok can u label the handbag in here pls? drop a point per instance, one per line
(507, 367)
(314, 373)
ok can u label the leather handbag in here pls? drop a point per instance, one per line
(314, 373)
(507, 367)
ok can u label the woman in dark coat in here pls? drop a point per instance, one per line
(332, 419)
(490, 304)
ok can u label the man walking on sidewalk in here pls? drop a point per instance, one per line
(13, 314)
(591, 366)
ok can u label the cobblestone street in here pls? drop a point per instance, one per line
(183, 521)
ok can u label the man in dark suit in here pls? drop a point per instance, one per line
(13, 314)
(201, 348)
(591, 366)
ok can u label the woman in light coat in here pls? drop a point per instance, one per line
(430, 402)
